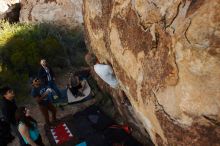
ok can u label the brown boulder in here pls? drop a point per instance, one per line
(66, 13)
(166, 57)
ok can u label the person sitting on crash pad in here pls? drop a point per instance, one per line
(75, 85)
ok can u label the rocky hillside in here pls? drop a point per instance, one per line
(60, 12)
(166, 57)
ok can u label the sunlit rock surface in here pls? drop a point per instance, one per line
(60, 12)
(9, 10)
(166, 56)
(5, 4)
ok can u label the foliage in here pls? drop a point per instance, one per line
(23, 45)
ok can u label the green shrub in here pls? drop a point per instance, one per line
(23, 45)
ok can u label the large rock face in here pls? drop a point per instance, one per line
(166, 56)
(60, 12)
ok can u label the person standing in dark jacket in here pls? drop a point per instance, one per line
(9, 108)
(46, 75)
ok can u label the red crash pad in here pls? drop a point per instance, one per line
(61, 133)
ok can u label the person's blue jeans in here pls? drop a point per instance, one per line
(53, 86)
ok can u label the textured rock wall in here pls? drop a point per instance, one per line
(60, 12)
(5, 4)
(166, 56)
(9, 10)
(124, 108)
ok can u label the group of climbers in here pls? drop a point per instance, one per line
(44, 90)
(19, 118)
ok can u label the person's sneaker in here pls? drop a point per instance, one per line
(55, 97)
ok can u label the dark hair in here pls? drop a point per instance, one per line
(4, 90)
(34, 80)
(21, 117)
(91, 59)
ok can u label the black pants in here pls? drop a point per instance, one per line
(75, 90)
(39, 142)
